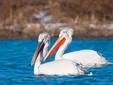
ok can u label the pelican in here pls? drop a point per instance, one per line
(58, 67)
(88, 58)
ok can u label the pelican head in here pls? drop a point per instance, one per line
(65, 36)
(66, 32)
(43, 40)
(45, 37)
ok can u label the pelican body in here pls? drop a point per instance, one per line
(87, 58)
(58, 67)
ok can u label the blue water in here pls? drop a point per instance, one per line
(15, 58)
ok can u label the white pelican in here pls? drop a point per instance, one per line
(87, 58)
(58, 67)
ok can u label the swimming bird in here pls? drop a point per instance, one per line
(87, 58)
(58, 67)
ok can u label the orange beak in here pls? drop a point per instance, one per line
(38, 50)
(57, 44)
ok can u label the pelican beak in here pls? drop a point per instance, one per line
(38, 50)
(60, 41)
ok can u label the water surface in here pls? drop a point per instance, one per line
(15, 58)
